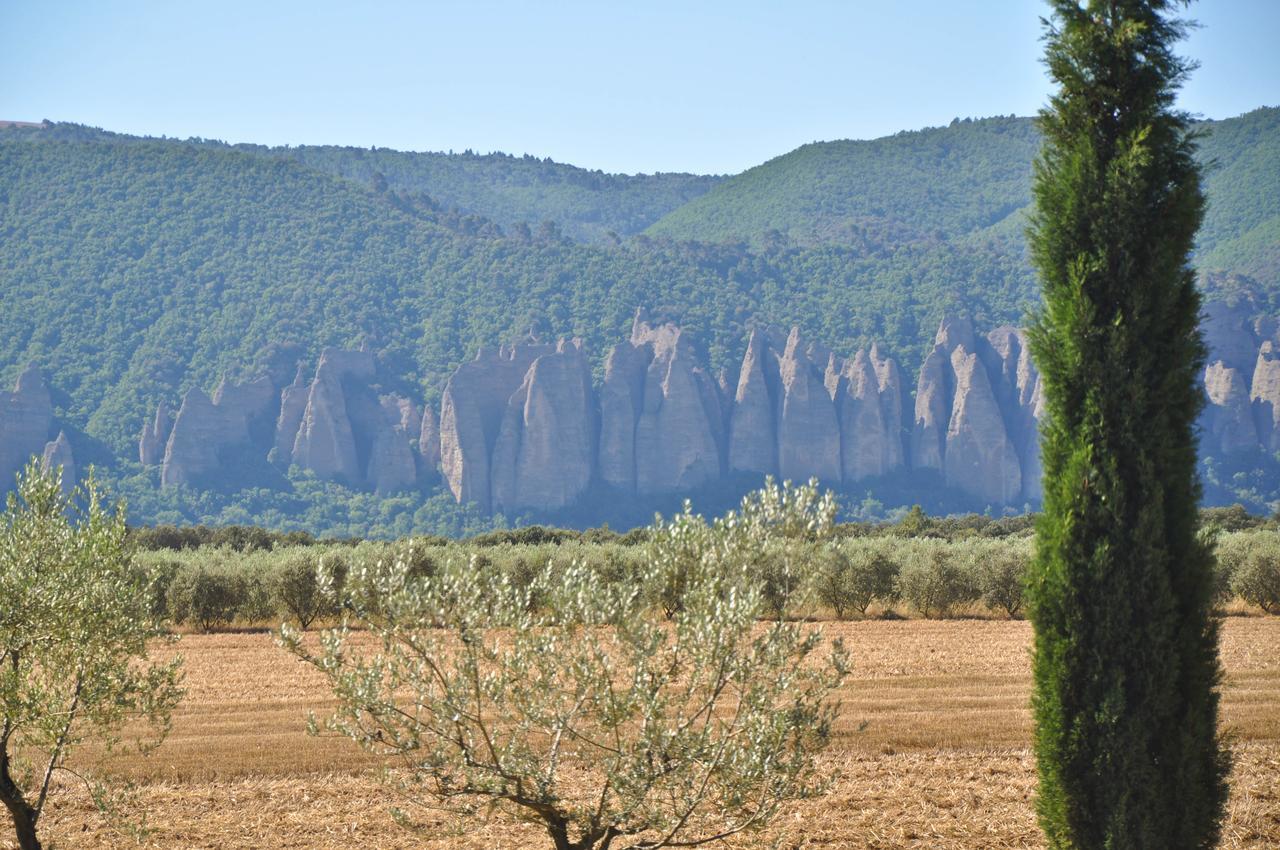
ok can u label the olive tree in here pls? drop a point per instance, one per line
(603, 715)
(75, 622)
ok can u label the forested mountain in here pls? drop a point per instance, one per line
(947, 182)
(132, 270)
(514, 192)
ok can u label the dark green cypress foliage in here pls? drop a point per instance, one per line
(1126, 664)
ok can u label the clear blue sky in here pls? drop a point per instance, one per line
(645, 85)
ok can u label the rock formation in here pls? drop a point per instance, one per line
(1265, 395)
(866, 438)
(58, 456)
(808, 430)
(545, 454)
(661, 414)
(974, 413)
(1228, 420)
(979, 457)
(392, 466)
(325, 442)
(522, 428)
(26, 416)
(192, 450)
(206, 429)
(293, 405)
(155, 435)
(757, 403)
(429, 443)
(472, 410)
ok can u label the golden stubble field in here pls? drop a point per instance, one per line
(931, 752)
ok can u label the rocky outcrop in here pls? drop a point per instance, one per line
(429, 444)
(545, 454)
(155, 434)
(974, 413)
(932, 410)
(661, 414)
(392, 466)
(1228, 422)
(866, 438)
(192, 450)
(808, 430)
(1265, 395)
(757, 404)
(26, 417)
(206, 430)
(979, 457)
(894, 401)
(472, 410)
(1016, 384)
(325, 443)
(59, 458)
(293, 406)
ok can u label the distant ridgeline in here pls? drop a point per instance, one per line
(298, 328)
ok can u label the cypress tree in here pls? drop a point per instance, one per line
(1126, 647)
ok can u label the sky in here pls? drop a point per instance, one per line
(710, 87)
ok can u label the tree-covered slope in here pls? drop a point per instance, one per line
(935, 183)
(943, 183)
(587, 206)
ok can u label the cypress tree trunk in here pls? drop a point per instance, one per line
(1126, 663)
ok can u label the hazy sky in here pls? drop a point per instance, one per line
(622, 86)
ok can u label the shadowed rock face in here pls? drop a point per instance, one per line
(58, 455)
(1228, 420)
(155, 434)
(866, 437)
(808, 431)
(932, 410)
(325, 441)
(980, 458)
(293, 405)
(205, 428)
(661, 414)
(545, 454)
(1265, 395)
(429, 444)
(472, 409)
(757, 404)
(26, 416)
(392, 466)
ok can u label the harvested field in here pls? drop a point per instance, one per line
(931, 752)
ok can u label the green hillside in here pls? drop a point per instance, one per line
(587, 206)
(946, 182)
(936, 183)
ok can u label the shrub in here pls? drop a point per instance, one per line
(852, 576)
(206, 598)
(933, 582)
(1256, 576)
(998, 572)
(297, 590)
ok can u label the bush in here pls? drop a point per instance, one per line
(933, 582)
(206, 598)
(297, 590)
(852, 576)
(998, 571)
(1256, 577)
